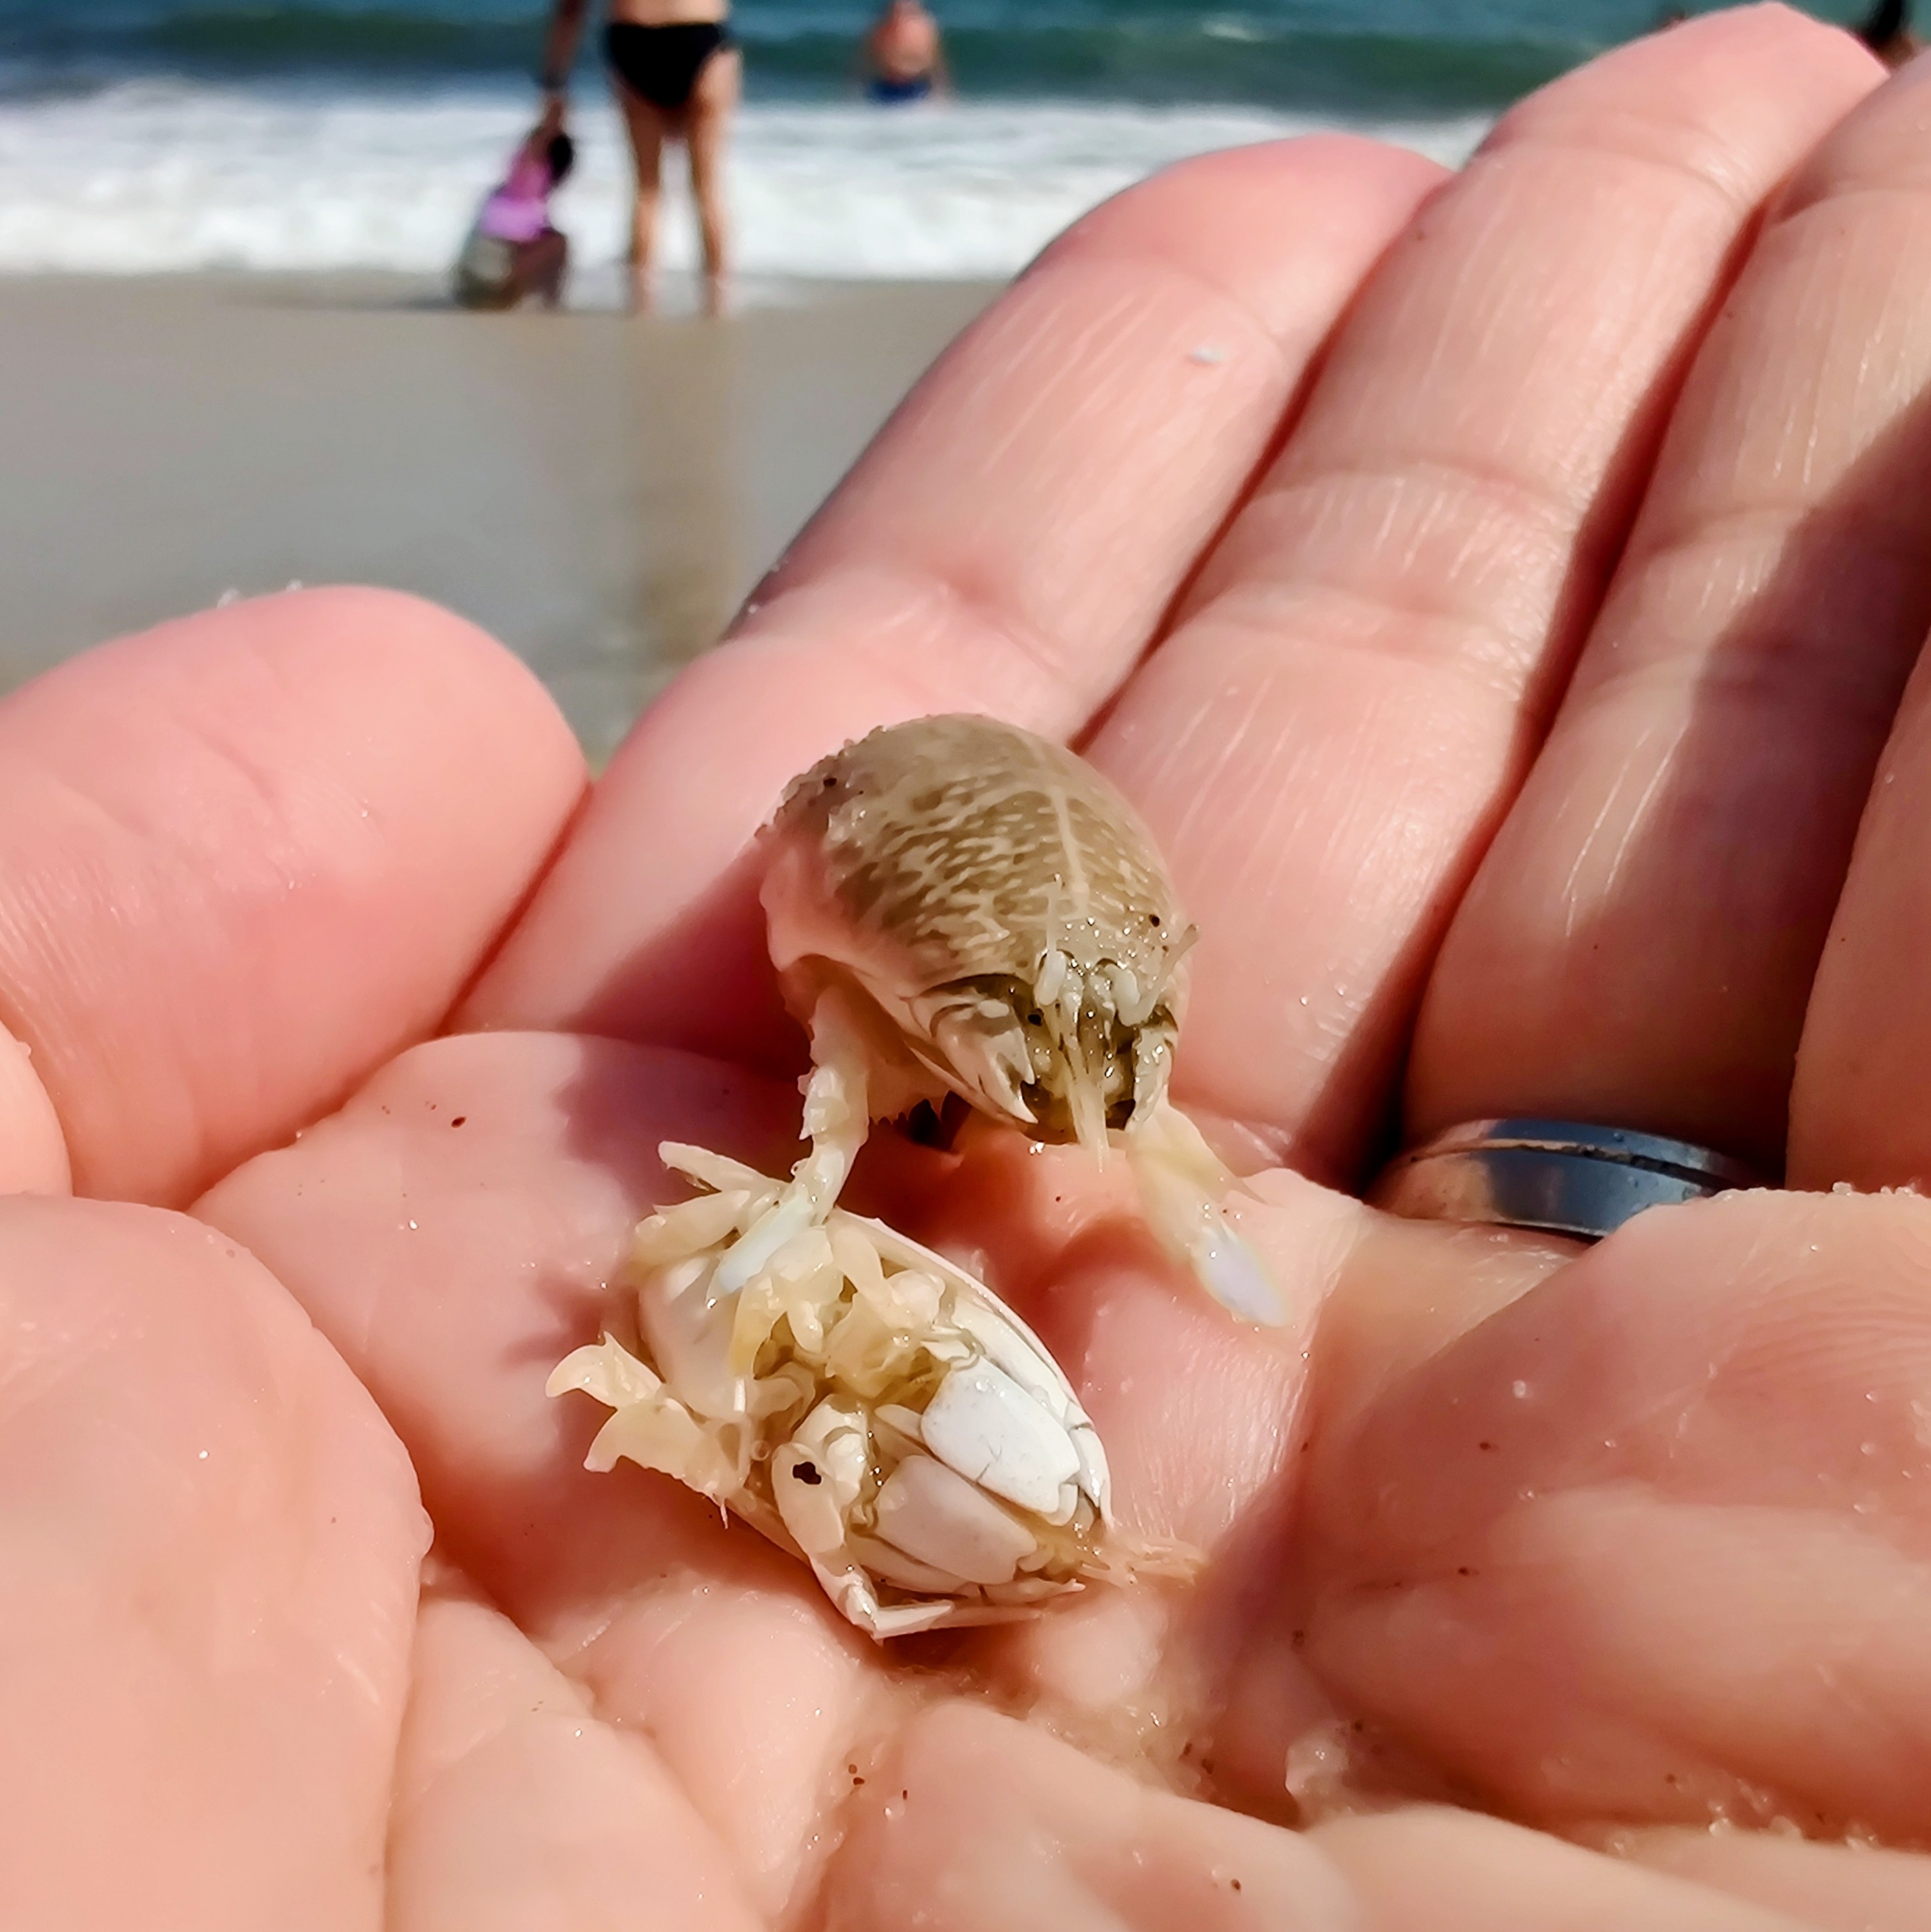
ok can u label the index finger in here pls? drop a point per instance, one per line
(1009, 543)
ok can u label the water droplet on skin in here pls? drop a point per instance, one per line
(412, 1224)
(1206, 355)
(202, 1456)
(1519, 1390)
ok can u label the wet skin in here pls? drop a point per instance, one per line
(1533, 565)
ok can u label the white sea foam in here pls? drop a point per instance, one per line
(154, 177)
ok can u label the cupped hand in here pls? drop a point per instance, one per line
(1499, 594)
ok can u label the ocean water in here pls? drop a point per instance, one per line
(150, 135)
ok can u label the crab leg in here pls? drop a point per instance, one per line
(836, 1123)
(1183, 1182)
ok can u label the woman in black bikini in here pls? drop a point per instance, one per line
(676, 72)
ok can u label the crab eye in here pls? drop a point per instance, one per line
(1153, 918)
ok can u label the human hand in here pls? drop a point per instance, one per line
(1610, 1545)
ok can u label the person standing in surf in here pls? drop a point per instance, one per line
(904, 60)
(677, 73)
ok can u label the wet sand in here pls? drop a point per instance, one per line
(598, 492)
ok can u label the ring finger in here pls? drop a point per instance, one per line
(1639, 946)
(1369, 659)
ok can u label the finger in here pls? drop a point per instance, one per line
(1652, 1541)
(516, 1806)
(975, 1821)
(1453, 1871)
(1640, 946)
(1008, 544)
(209, 1546)
(247, 855)
(1369, 659)
(454, 1230)
(1860, 1111)
(1850, 1887)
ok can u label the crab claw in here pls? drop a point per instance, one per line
(978, 1044)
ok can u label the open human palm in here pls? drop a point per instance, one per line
(1499, 594)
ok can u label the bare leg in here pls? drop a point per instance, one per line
(648, 129)
(707, 130)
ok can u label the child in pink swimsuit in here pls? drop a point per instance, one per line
(514, 250)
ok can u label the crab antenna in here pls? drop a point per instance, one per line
(1181, 1182)
(1087, 1103)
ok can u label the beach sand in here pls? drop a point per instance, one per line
(600, 493)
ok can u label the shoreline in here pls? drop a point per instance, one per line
(600, 492)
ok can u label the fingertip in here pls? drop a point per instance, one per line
(354, 632)
(247, 855)
(1741, 73)
(1347, 196)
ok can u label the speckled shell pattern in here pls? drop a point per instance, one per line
(967, 847)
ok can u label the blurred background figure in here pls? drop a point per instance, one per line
(677, 74)
(1887, 32)
(514, 250)
(227, 229)
(904, 59)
